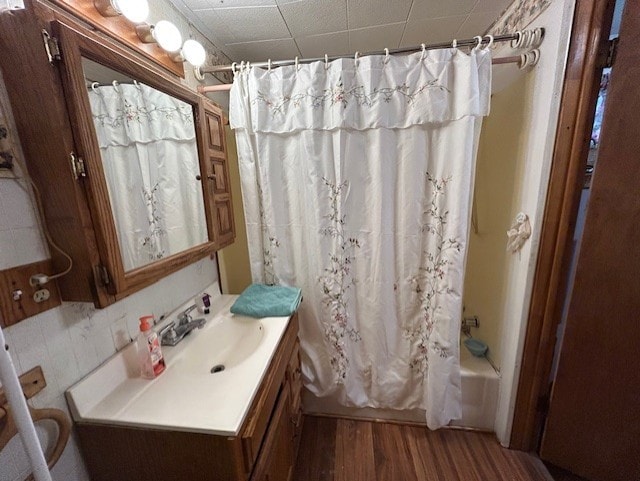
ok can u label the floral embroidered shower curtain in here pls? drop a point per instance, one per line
(357, 181)
(149, 155)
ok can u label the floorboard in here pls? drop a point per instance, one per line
(347, 450)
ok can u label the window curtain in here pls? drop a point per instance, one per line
(149, 154)
(357, 180)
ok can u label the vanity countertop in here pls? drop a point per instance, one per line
(186, 396)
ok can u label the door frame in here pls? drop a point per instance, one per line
(588, 51)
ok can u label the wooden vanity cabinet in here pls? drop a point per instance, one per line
(264, 450)
(50, 104)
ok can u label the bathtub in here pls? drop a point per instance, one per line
(479, 383)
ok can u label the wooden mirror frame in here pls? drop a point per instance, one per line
(77, 45)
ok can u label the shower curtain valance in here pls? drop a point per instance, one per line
(128, 114)
(364, 93)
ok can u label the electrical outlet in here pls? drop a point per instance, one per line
(41, 295)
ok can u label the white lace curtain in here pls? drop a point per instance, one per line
(357, 182)
(149, 154)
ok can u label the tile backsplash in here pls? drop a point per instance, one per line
(73, 339)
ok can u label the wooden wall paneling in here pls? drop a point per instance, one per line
(45, 133)
(17, 278)
(588, 48)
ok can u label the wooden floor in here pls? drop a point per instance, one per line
(345, 450)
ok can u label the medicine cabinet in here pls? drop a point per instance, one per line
(131, 164)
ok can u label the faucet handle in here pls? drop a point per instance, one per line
(168, 331)
(184, 317)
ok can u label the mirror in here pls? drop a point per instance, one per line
(149, 153)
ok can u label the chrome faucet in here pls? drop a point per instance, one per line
(173, 333)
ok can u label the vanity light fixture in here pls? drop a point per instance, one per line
(135, 11)
(167, 35)
(193, 52)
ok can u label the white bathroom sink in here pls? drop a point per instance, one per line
(187, 396)
(227, 341)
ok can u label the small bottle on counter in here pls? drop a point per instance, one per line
(203, 301)
(149, 352)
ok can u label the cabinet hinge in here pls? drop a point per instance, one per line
(611, 55)
(51, 46)
(77, 166)
(103, 274)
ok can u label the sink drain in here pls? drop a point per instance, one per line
(217, 368)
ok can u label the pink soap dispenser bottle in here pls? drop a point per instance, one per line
(149, 353)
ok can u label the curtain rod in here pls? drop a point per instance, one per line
(527, 38)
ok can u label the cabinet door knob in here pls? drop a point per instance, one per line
(210, 177)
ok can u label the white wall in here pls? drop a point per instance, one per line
(542, 105)
(73, 339)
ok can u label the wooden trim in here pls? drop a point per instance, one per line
(120, 29)
(589, 43)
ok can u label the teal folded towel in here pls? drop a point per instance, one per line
(259, 300)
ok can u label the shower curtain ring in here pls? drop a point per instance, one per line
(326, 62)
(233, 68)
(356, 58)
(386, 55)
(115, 84)
(478, 39)
(423, 47)
(516, 42)
(297, 63)
(490, 44)
(94, 85)
(454, 44)
(269, 64)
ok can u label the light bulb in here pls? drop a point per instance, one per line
(167, 35)
(194, 53)
(135, 11)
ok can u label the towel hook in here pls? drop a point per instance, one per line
(386, 55)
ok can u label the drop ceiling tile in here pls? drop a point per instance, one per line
(241, 3)
(311, 17)
(216, 27)
(375, 38)
(431, 30)
(428, 9)
(335, 43)
(199, 4)
(280, 49)
(249, 24)
(365, 13)
(476, 24)
(497, 6)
